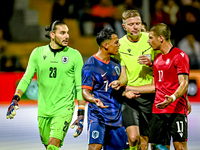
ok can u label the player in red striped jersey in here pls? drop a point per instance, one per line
(171, 77)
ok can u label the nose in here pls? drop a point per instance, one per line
(135, 26)
(67, 35)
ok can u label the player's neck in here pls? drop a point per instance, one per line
(55, 46)
(133, 38)
(166, 48)
(103, 57)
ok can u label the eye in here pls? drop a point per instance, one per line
(62, 32)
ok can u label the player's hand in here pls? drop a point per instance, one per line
(144, 60)
(78, 123)
(99, 103)
(115, 85)
(13, 107)
(131, 94)
(168, 100)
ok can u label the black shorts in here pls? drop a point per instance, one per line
(138, 112)
(165, 126)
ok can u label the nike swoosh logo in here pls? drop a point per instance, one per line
(103, 74)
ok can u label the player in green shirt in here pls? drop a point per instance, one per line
(136, 57)
(58, 69)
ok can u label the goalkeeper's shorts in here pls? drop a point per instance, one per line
(55, 127)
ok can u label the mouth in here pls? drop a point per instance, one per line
(135, 32)
(65, 41)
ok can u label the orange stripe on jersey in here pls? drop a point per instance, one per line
(86, 87)
(100, 59)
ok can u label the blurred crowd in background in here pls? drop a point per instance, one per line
(182, 16)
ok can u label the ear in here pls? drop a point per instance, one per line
(161, 38)
(124, 27)
(52, 35)
(105, 45)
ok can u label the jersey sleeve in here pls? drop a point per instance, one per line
(182, 63)
(78, 67)
(30, 71)
(87, 77)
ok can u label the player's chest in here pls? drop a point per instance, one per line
(59, 61)
(165, 64)
(108, 73)
(131, 51)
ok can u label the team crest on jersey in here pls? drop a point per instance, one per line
(95, 134)
(117, 70)
(64, 59)
(129, 50)
(167, 62)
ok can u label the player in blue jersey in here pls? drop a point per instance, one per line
(105, 124)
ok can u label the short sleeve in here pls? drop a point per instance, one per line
(182, 63)
(88, 77)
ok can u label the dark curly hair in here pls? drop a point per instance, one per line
(104, 34)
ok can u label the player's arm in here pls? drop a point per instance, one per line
(78, 123)
(149, 88)
(23, 85)
(134, 91)
(121, 81)
(189, 107)
(90, 98)
(183, 86)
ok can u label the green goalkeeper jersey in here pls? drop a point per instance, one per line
(128, 54)
(58, 78)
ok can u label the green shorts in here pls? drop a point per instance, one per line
(55, 127)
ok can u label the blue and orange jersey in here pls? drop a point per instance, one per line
(96, 76)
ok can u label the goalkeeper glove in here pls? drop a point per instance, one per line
(78, 123)
(13, 107)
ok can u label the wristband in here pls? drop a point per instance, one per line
(81, 112)
(17, 96)
(81, 107)
(174, 97)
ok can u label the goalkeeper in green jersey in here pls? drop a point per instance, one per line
(58, 69)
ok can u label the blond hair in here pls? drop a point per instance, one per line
(128, 14)
(161, 29)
